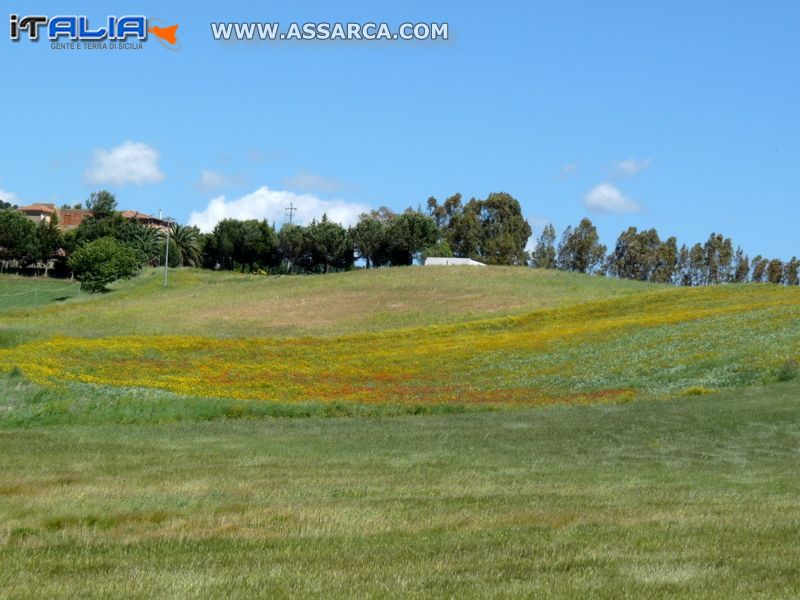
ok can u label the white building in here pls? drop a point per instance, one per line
(439, 261)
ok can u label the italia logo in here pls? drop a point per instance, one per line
(73, 28)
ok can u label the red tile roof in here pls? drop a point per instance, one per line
(45, 208)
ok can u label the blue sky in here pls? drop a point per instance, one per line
(542, 100)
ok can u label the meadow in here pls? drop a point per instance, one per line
(620, 346)
(220, 304)
(28, 292)
(489, 432)
(694, 497)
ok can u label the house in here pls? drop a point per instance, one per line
(440, 261)
(70, 218)
(39, 213)
(144, 219)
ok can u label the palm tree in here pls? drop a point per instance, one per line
(187, 242)
(148, 243)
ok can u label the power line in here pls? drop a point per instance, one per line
(37, 290)
(291, 209)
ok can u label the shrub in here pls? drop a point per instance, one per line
(788, 370)
(98, 263)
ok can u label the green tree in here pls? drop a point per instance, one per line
(255, 245)
(491, 230)
(220, 244)
(441, 249)
(148, 245)
(330, 245)
(643, 256)
(244, 244)
(725, 256)
(444, 213)
(460, 229)
(580, 249)
(188, 246)
(636, 255)
(292, 246)
(697, 265)
(759, 269)
(369, 239)
(544, 255)
(103, 204)
(465, 235)
(106, 221)
(49, 239)
(790, 272)
(174, 255)
(17, 236)
(505, 230)
(775, 271)
(666, 261)
(718, 255)
(99, 262)
(683, 271)
(741, 266)
(408, 235)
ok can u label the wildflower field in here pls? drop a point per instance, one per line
(663, 342)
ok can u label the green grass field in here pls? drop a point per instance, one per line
(233, 305)
(663, 464)
(30, 292)
(697, 497)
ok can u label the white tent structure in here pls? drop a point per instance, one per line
(440, 261)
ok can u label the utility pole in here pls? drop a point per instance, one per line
(166, 259)
(291, 210)
(166, 250)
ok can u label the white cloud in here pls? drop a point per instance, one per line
(271, 205)
(129, 163)
(309, 182)
(607, 198)
(631, 167)
(211, 181)
(9, 197)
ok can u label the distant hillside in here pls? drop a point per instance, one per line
(218, 304)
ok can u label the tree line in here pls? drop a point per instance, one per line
(644, 256)
(380, 238)
(491, 230)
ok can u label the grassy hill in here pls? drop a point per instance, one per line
(27, 292)
(233, 305)
(561, 338)
(136, 462)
